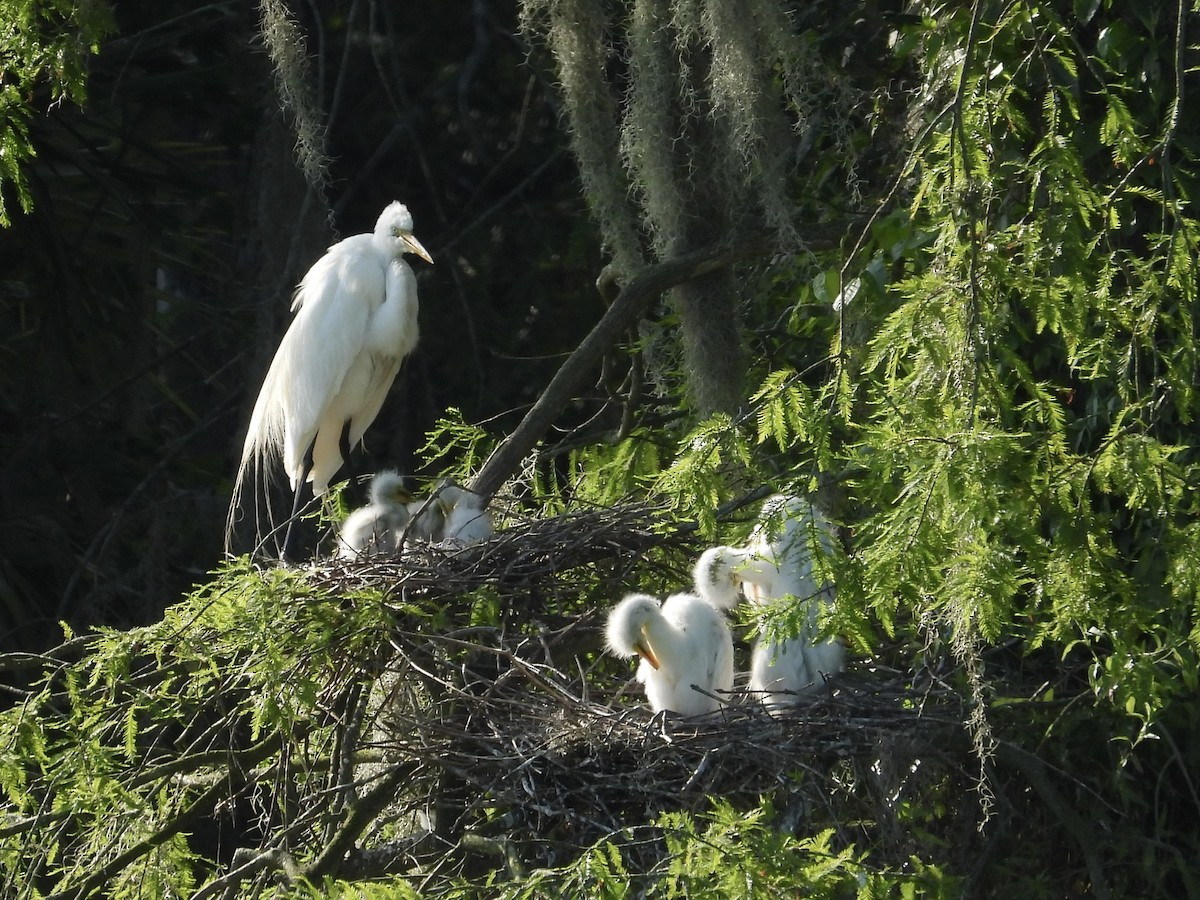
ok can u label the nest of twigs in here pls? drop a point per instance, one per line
(553, 556)
(522, 742)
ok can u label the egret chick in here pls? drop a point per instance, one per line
(781, 565)
(777, 666)
(467, 518)
(379, 526)
(782, 539)
(685, 642)
(356, 321)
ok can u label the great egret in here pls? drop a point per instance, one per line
(379, 526)
(683, 642)
(356, 321)
(467, 518)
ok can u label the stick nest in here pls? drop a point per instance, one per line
(524, 742)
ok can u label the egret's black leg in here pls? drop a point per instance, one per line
(344, 442)
(288, 552)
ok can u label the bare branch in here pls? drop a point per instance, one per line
(629, 305)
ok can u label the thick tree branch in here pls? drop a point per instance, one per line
(332, 856)
(629, 305)
(395, 857)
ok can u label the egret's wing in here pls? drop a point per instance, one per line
(310, 363)
(719, 654)
(700, 649)
(339, 295)
(391, 335)
(388, 334)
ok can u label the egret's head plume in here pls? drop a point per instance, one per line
(387, 489)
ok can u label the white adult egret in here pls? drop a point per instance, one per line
(356, 321)
(467, 518)
(683, 643)
(379, 526)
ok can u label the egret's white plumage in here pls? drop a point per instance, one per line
(784, 536)
(780, 670)
(778, 563)
(718, 575)
(467, 518)
(776, 666)
(356, 321)
(379, 526)
(684, 642)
